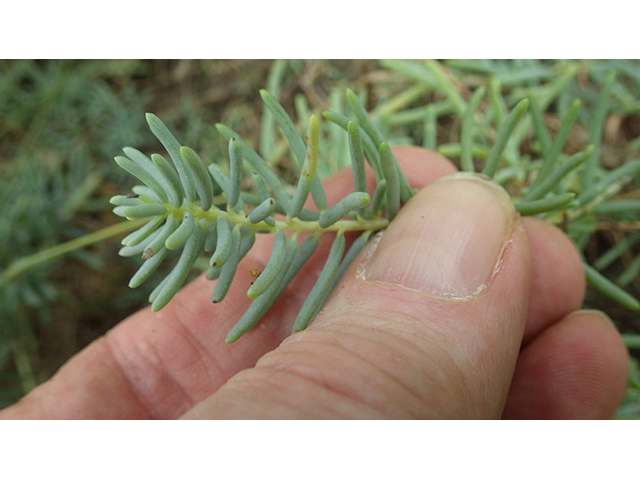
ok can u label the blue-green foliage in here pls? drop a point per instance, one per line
(224, 227)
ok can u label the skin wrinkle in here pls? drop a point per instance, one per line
(142, 400)
(147, 365)
(341, 343)
(368, 342)
(454, 375)
(411, 316)
(270, 383)
(254, 392)
(368, 374)
(106, 379)
(211, 367)
(282, 379)
(312, 385)
(159, 362)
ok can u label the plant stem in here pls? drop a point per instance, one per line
(24, 264)
(295, 225)
(631, 340)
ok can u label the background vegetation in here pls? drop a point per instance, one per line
(62, 122)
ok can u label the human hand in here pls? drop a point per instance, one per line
(463, 310)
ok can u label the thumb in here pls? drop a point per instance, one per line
(426, 323)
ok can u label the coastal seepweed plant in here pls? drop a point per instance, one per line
(59, 122)
(189, 205)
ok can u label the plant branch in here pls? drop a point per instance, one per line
(25, 264)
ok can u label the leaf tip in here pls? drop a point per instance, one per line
(264, 93)
(151, 118)
(384, 148)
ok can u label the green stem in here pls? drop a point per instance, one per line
(24, 264)
(631, 340)
(295, 225)
(437, 70)
(610, 289)
(24, 366)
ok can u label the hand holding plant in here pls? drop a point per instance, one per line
(387, 344)
(451, 253)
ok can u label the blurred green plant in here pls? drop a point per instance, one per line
(540, 128)
(58, 120)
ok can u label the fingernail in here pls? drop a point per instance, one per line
(448, 240)
(598, 313)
